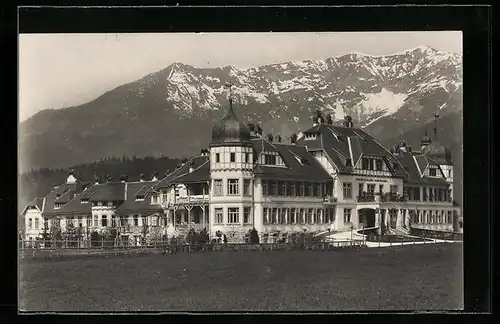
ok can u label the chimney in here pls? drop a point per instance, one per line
(348, 122)
(123, 178)
(141, 177)
(155, 176)
(409, 148)
(96, 179)
(278, 138)
(184, 160)
(251, 127)
(293, 138)
(258, 130)
(270, 137)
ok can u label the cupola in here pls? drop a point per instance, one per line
(229, 130)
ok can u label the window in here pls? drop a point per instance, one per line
(247, 217)
(233, 157)
(301, 189)
(449, 173)
(233, 186)
(99, 203)
(347, 215)
(293, 216)
(310, 219)
(370, 188)
(347, 189)
(361, 186)
(247, 157)
(246, 187)
(290, 189)
(219, 215)
(217, 157)
(96, 221)
(448, 217)
(425, 193)
(104, 220)
(432, 172)
(218, 187)
(265, 216)
(301, 215)
(136, 220)
(46, 223)
(264, 188)
(279, 216)
(394, 189)
(283, 188)
(416, 194)
(113, 221)
(318, 190)
(233, 215)
(274, 188)
(378, 165)
(89, 222)
(154, 199)
(144, 221)
(80, 222)
(123, 221)
(348, 163)
(381, 188)
(154, 220)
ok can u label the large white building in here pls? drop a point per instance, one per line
(332, 178)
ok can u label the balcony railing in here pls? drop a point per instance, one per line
(366, 198)
(330, 199)
(393, 197)
(187, 200)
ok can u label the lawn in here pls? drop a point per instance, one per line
(416, 277)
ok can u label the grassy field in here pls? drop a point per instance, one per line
(417, 277)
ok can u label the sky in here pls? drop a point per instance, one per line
(62, 70)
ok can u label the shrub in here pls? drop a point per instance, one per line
(254, 236)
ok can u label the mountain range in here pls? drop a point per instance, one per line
(171, 112)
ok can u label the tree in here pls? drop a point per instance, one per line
(55, 231)
(254, 236)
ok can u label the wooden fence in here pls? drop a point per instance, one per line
(66, 249)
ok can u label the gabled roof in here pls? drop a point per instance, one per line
(311, 170)
(412, 163)
(75, 205)
(195, 162)
(58, 192)
(200, 174)
(37, 203)
(343, 143)
(110, 191)
(132, 204)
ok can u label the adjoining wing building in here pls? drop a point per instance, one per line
(331, 178)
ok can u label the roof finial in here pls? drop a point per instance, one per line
(230, 86)
(436, 116)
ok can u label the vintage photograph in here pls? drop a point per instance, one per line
(179, 172)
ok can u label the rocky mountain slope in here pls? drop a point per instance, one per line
(171, 112)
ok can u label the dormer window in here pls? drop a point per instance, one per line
(348, 163)
(154, 199)
(432, 172)
(139, 197)
(271, 158)
(84, 200)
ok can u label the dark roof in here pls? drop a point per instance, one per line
(438, 152)
(342, 143)
(229, 130)
(109, 191)
(132, 205)
(57, 193)
(412, 162)
(200, 174)
(36, 202)
(196, 162)
(75, 205)
(311, 170)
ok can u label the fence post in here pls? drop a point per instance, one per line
(102, 243)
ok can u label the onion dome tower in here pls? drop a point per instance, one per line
(231, 174)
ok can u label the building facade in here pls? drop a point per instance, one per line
(332, 178)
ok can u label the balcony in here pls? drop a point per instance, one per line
(188, 200)
(393, 197)
(366, 198)
(329, 200)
